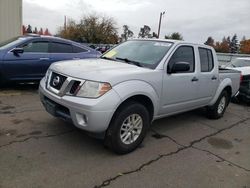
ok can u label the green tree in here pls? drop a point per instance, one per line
(174, 36)
(145, 32)
(127, 33)
(91, 29)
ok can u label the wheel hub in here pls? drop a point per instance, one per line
(131, 128)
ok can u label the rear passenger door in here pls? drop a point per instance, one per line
(60, 51)
(208, 75)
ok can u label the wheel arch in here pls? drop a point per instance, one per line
(226, 84)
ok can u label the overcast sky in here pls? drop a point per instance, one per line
(194, 19)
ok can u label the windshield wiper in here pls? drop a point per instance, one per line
(108, 58)
(130, 61)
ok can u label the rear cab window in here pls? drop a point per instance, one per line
(206, 59)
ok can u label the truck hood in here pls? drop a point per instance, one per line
(244, 70)
(101, 70)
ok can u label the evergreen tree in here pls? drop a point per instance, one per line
(46, 32)
(35, 31)
(234, 45)
(174, 36)
(41, 31)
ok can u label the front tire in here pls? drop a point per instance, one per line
(218, 109)
(128, 128)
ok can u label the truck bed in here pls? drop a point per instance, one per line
(224, 70)
(234, 75)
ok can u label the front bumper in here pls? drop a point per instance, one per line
(92, 115)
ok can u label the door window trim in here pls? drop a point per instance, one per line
(177, 47)
(30, 41)
(207, 49)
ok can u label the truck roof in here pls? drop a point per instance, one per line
(173, 41)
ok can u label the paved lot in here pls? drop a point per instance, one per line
(187, 150)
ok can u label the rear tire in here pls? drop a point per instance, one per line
(218, 109)
(128, 128)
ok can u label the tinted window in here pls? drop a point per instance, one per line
(183, 54)
(206, 60)
(36, 46)
(56, 47)
(77, 49)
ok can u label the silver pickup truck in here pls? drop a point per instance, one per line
(120, 94)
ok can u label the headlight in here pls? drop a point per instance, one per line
(92, 89)
(47, 76)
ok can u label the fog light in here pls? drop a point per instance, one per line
(82, 119)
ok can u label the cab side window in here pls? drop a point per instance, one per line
(183, 54)
(36, 47)
(206, 60)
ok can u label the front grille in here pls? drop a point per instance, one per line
(57, 80)
(75, 87)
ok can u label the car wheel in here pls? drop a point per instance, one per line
(218, 109)
(128, 128)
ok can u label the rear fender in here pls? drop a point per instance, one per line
(226, 82)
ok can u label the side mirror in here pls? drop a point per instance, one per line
(17, 51)
(179, 67)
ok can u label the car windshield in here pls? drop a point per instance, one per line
(144, 53)
(11, 42)
(240, 63)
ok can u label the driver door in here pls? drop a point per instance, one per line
(27, 65)
(179, 89)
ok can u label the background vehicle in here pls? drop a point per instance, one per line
(120, 94)
(27, 58)
(243, 65)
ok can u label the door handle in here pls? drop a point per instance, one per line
(44, 58)
(214, 78)
(194, 79)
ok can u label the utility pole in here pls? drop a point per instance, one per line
(159, 28)
(65, 23)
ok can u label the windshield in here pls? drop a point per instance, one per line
(10, 42)
(240, 63)
(140, 52)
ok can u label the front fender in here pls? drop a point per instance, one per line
(226, 82)
(137, 87)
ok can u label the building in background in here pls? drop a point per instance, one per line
(10, 19)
